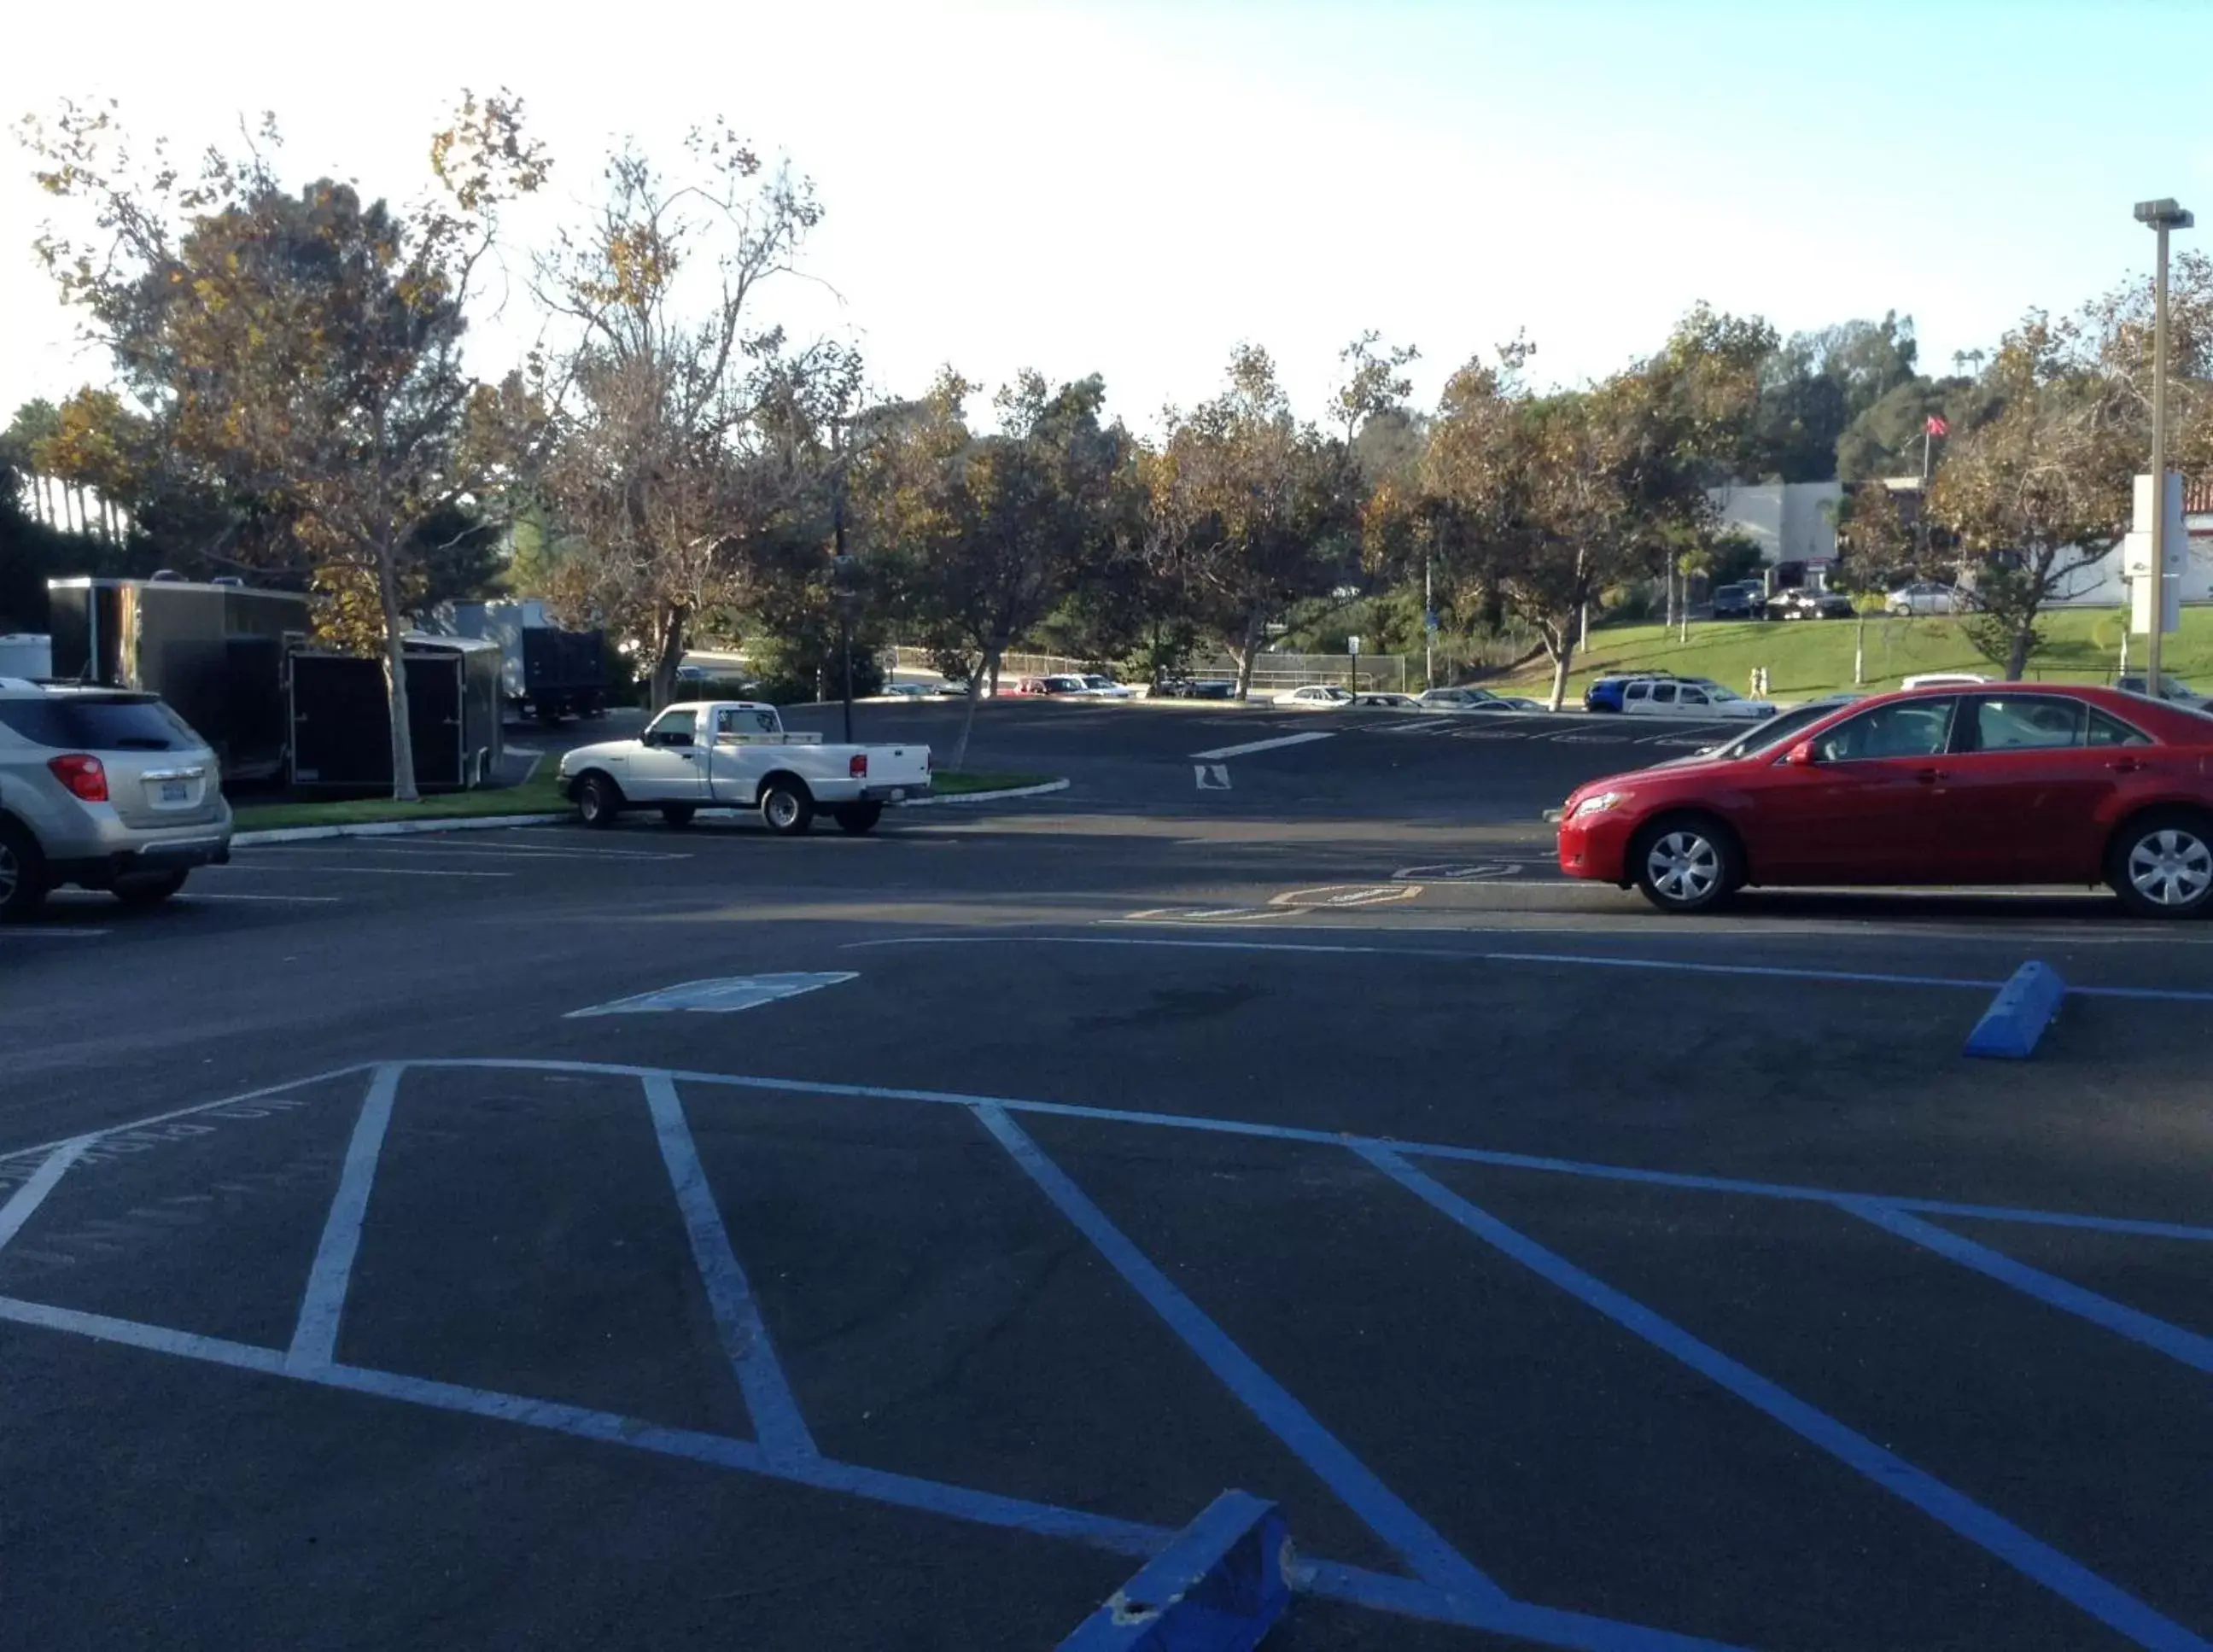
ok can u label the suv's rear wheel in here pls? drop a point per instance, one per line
(22, 874)
(1686, 863)
(149, 889)
(2161, 864)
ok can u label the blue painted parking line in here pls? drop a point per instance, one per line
(2029, 1556)
(1688, 1181)
(1219, 1587)
(2016, 1019)
(1415, 1541)
(315, 1335)
(2187, 1346)
(744, 1339)
(1448, 1588)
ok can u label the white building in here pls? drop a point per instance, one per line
(1789, 522)
(2100, 584)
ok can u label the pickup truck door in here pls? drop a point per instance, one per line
(667, 766)
(734, 767)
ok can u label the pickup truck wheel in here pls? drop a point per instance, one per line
(786, 809)
(678, 814)
(22, 875)
(597, 801)
(857, 818)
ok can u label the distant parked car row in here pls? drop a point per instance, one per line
(1329, 696)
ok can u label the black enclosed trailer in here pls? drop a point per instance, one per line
(342, 727)
(546, 671)
(215, 652)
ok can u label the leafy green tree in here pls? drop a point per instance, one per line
(985, 536)
(1252, 511)
(300, 352)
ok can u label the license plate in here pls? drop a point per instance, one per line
(175, 791)
(898, 794)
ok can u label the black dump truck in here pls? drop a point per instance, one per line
(547, 673)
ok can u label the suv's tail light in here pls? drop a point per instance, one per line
(859, 768)
(85, 775)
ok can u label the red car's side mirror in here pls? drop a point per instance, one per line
(1801, 756)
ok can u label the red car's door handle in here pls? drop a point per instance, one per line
(1929, 777)
(2125, 764)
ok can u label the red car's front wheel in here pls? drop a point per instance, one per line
(1686, 863)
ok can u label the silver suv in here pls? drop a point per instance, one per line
(104, 789)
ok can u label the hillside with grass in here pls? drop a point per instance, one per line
(1807, 657)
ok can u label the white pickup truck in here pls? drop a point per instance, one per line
(735, 754)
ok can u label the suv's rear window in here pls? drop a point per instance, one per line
(98, 725)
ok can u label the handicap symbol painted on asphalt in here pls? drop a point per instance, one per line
(1212, 777)
(1472, 874)
(719, 997)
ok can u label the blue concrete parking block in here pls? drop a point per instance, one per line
(1218, 1587)
(2018, 1016)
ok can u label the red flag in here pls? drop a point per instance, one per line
(1937, 426)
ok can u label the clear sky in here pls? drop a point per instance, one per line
(1132, 188)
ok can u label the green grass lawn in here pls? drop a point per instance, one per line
(538, 795)
(1807, 657)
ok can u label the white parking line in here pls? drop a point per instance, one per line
(1250, 745)
(383, 871)
(57, 932)
(198, 896)
(418, 848)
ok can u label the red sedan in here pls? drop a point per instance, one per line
(2015, 784)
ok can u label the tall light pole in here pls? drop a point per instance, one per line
(2162, 215)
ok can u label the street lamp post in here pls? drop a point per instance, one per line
(2162, 215)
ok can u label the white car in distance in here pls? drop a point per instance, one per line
(1924, 596)
(1314, 696)
(1105, 688)
(1673, 697)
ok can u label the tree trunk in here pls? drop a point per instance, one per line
(2017, 655)
(668, 654)
(1560, 644)
(990, 663)
(395, 678)
(1242, 651)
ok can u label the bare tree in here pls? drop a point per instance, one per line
(655, 382)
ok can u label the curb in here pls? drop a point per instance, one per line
(389, 828)
(983, 796)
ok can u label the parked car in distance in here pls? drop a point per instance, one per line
(103, 789)
(908, 691)
(1944, 679)
(1768, 732)
(2173, 689)
(1671, 696)
(1925, 596)
(1810, 605)
(1745, 599)
(1062, 684)
(1195, 688)
(1315, 697)
(1603, 693)
(1377, 700)
(737, 754)
(1105, 688)
(2003, 783)
(1461, 699)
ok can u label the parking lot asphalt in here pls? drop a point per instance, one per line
(380, 1266)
